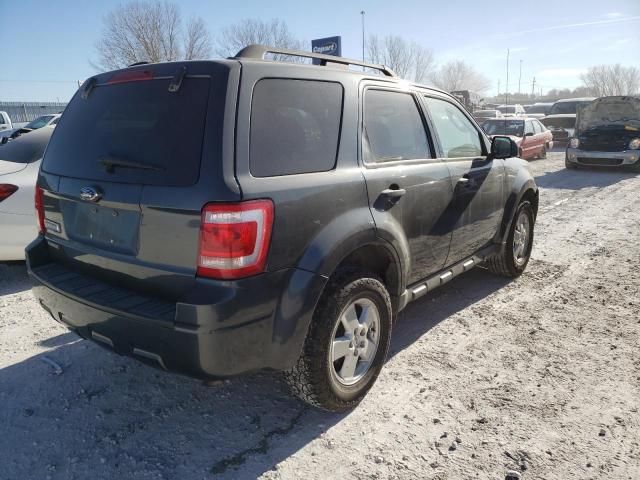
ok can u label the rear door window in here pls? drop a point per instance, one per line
(393, 128)
(295, 126)
(139, 122)
(536, 127)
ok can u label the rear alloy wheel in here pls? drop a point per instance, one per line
(514, 256)
(347, 342)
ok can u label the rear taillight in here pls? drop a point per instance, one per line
(234, 239)
(6, 190)
(39, 209)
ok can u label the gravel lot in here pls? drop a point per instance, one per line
(539, 376)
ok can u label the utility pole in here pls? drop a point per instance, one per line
(533, 86)
(520, 77)
(506, 88)
(362, 14)
(498, 88)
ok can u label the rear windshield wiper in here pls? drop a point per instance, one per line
(109, 163)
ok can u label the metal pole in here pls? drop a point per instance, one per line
(498, 88)
(533, 87)
(520, 76)
(362, 14)
(506, 89)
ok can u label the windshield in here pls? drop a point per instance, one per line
(563, 122)
(27, 148)
(504, 127)
(39, 122)
(135, 122)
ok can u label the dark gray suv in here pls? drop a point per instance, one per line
(219, 217)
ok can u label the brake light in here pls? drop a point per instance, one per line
(131, 76)
(234, 239)
(39, 209)
(6, 190)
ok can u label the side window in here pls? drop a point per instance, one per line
(536, 127)
(541, 127)
(528, 128)
(295, 126)
(2, 120)
(458, 137)
(393, 128)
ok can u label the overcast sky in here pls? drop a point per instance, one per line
(47, 45)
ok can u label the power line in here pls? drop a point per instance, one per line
(36, 81)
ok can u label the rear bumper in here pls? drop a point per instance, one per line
(250, 324)
(603, 159)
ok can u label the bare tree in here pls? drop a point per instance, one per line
(457, 75)
(605, 80)
(197, 42)
(150, 31)
(408, 59)
(274, 33)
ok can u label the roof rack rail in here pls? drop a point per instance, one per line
(259, 51)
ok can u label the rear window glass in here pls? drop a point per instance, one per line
(27, 148)
(295, 126)
(139, 123)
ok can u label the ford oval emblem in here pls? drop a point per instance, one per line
(90, 194)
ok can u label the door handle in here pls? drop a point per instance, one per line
(393, 193)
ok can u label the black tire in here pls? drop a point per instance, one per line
(313, 378)
(543, 152)
(570, 165)
(504, 263)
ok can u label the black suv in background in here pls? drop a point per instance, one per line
(219, 217)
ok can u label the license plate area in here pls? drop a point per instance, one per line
(114, 229)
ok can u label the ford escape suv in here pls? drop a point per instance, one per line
(219, 217)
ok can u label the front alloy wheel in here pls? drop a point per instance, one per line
(521, 239)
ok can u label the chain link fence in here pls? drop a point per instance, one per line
(22, 112)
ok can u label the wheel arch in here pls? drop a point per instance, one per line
(528, 191)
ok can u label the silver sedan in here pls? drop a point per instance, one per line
(19, 163)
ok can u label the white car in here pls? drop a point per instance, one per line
(50, 120)
(514, 110)
(19, 163)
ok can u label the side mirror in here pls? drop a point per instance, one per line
(503, 147)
